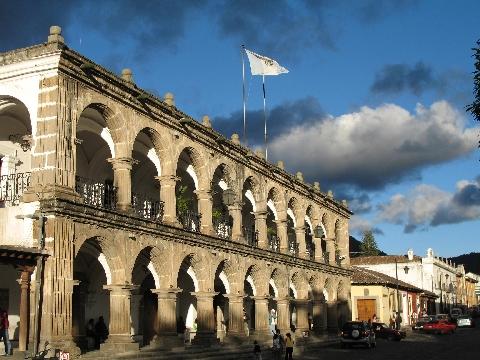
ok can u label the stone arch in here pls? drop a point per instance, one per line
(301, 284)
(330, 289)
(275, 202)
(280, 280)
(255, 276)
(158, 153)
(251, 191)
(317, 286)
(197, 168)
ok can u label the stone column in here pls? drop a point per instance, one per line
(302, 316)
(302, 246)
(235, 212)
(235, 310)
(167, 317)
(332, 321)
(168, 196)
(331, 250)
(122, 180)
(205, 318)
(283, 308)
(319, 316)
(120, 338)
(261, 317)
(261, 227)
(282, 234)
(24, 282)
(205, 208)
(318, 249)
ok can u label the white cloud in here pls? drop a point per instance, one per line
(375, 146)
(426, 205)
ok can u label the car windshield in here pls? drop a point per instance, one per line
(349, 326)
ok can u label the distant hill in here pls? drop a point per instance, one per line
(470, 261)
(355, 248)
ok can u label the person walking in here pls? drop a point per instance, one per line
(276, 347)
(257, 351)
(4, 324)
(288, 347)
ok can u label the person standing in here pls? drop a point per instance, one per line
(257, 351)
(276, 348)
(4, 324)
(101, 331)
(398, 321)
(288, 347)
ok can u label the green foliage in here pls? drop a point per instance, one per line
(369, 246)
(183, 201)
(474, 107)
(216, 214)
(271, 231)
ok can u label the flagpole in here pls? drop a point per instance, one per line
(265, 117)
(244, 102)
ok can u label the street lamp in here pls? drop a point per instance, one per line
(318, 231)
(228, 197)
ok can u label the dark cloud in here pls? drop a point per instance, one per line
(280, 119)
(469, 195)
(372, 10)
(396, 78)
(358, 202)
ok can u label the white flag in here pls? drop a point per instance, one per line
(262, 65)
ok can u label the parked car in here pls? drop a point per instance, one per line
(422, 321)
(455, 313)
(440, 327)
(383, 331)
(357, 332)
(442, 317)
(465, 321)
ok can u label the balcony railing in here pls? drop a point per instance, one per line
(190, 220)
(251, 236)
(147, 208)
(12, 187)
(95, 193)
(274, 243)
(222, 227)
(326, 256)
(311, 251)
(293, 247)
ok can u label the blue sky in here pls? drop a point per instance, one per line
(373, 106)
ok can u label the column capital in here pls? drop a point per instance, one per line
(301, 301)
(300, 229)
(234, 297)
(167, 293)
(318, 301)
(260, 297)
(167, 178)
(121, 288)
(122, 163)
(203, 194)
(260, 214)
(204, 294)
(237, 206)
(280, 222)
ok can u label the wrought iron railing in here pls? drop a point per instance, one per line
(190, 220)
(251, 236)
(222, 226)
(147, 208)
(292, 246)
(94, 193)
(12, 187)
(274, 242)
(326, 256)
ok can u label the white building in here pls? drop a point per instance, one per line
(431, 273)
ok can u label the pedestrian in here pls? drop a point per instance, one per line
(392, 322)
(276, 347)
(288, 347)
(257, 352)
(91, 337)
(4, 324)
(398, 321)
(101, 331)
(374, 318)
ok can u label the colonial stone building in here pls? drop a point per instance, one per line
(136, 212)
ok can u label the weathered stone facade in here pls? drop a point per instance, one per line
(151, 216)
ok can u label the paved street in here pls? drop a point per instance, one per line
(464, 343)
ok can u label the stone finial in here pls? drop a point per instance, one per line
(410, 254)
(235, 139)
(280, 164)
(316, 185)
(55, 34)
(206, 121)
(260, 153)
(169, 99)
(344, 203)
(127, 75)
(299, 176)
(330, 194)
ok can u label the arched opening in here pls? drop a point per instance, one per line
(220, 302)
(323, 241)
(309, 243)
(272, 217)
(144, 303)
(292, 292)
(94, 146)
(292, 237)
(249, 305)
(146, 166)
(15, 150)
(338, 261)
(90, 301)
(222, 221)
(249, 208)
(186, 302)
(185, 191)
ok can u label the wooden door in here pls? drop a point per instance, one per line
(366, 308)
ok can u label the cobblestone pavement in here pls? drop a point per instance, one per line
(463, 345)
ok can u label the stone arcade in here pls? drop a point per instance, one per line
(147, 216)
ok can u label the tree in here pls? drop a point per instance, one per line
(369, 246)
(474, 107)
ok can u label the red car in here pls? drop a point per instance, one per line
(439, 327)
